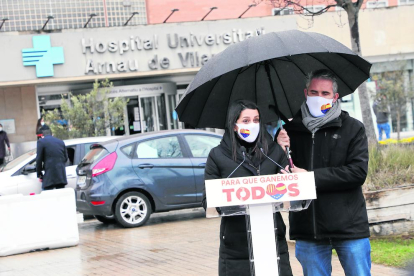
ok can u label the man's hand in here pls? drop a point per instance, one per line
(283, 139)
(293, 170)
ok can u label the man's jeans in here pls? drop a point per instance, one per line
(316, 256)
(384, 127)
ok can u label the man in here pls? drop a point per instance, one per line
(326, 140)
(51, 157)
(382, 113)
(4, 140)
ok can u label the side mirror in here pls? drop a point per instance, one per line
(29, 169)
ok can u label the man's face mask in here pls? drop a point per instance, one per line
(318, 106)
(1, 129)
(248, 132)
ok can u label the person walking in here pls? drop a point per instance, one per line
(51, 158)
(326, 140)
(4, 140)
(382, 113)
(40, 126)
(245, 134)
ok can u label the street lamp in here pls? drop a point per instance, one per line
(211, 9)
(172, 11)
(2, 23)
(90, 18)
(132, 15)
(47, 21)
(250, 6)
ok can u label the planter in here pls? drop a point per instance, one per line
(391, 211)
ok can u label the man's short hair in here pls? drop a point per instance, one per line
(325, 75)
(46, 132)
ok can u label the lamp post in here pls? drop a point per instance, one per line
(211, 9)
(90, 18)
(172, 11)
(250, 6)
(2, 23)
(47, 21)
(132, 15)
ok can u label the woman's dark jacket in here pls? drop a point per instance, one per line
(234, 254)
(340, 164)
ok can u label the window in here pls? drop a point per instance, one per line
(71, 156)
(201, 145)
(405, 2)
(377, 4)
(167, 147)
(313, 9)
(282, 11)
(127, 150)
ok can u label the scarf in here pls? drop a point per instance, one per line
(314, 124)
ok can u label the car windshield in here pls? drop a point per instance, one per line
(96, 153)
(17, 161)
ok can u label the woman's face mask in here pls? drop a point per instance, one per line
(318, 106)
(248, 132)
(42, 123)
(248, 125)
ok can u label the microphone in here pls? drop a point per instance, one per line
(261, 149)
(243, 150)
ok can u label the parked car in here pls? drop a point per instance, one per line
(129, 178)
(19, 176)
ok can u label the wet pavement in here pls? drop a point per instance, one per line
(175, 243)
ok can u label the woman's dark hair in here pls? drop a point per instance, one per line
(233, 115)
(38, 124)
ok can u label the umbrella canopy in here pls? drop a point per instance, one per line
(269, 70)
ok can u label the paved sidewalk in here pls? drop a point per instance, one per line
(179, 243)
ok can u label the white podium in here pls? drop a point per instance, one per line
(258, 197)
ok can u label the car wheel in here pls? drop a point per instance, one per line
(106, 220)
(132, 209)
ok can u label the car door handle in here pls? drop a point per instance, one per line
(201, 165)
(143, 166)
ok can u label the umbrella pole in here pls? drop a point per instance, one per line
(267, 68)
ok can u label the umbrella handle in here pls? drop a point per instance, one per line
(287, 150)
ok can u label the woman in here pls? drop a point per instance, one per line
(40, 127)
(244, 128)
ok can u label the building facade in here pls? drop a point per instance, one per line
(152, 64)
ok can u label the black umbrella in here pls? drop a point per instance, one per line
(270, 70)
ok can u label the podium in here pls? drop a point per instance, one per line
(258, 197)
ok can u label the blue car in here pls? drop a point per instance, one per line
(129, 178)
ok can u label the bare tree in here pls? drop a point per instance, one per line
(352, 9)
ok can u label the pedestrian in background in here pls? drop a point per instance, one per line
(51, 158)
(244, 130)
(41, 125)
(326, 140)
(4, 140)
(382, 112)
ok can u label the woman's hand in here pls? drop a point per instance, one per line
(293, 170)
(283, 139)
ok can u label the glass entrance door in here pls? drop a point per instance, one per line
(153, 114)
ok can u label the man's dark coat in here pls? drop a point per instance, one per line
(51, 158)
(340, 164)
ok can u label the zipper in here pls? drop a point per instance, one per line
(257, 169)
(311, 168)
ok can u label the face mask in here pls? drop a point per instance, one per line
(318, 106)
(42, 123)
(248, 132)
(1, 129)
